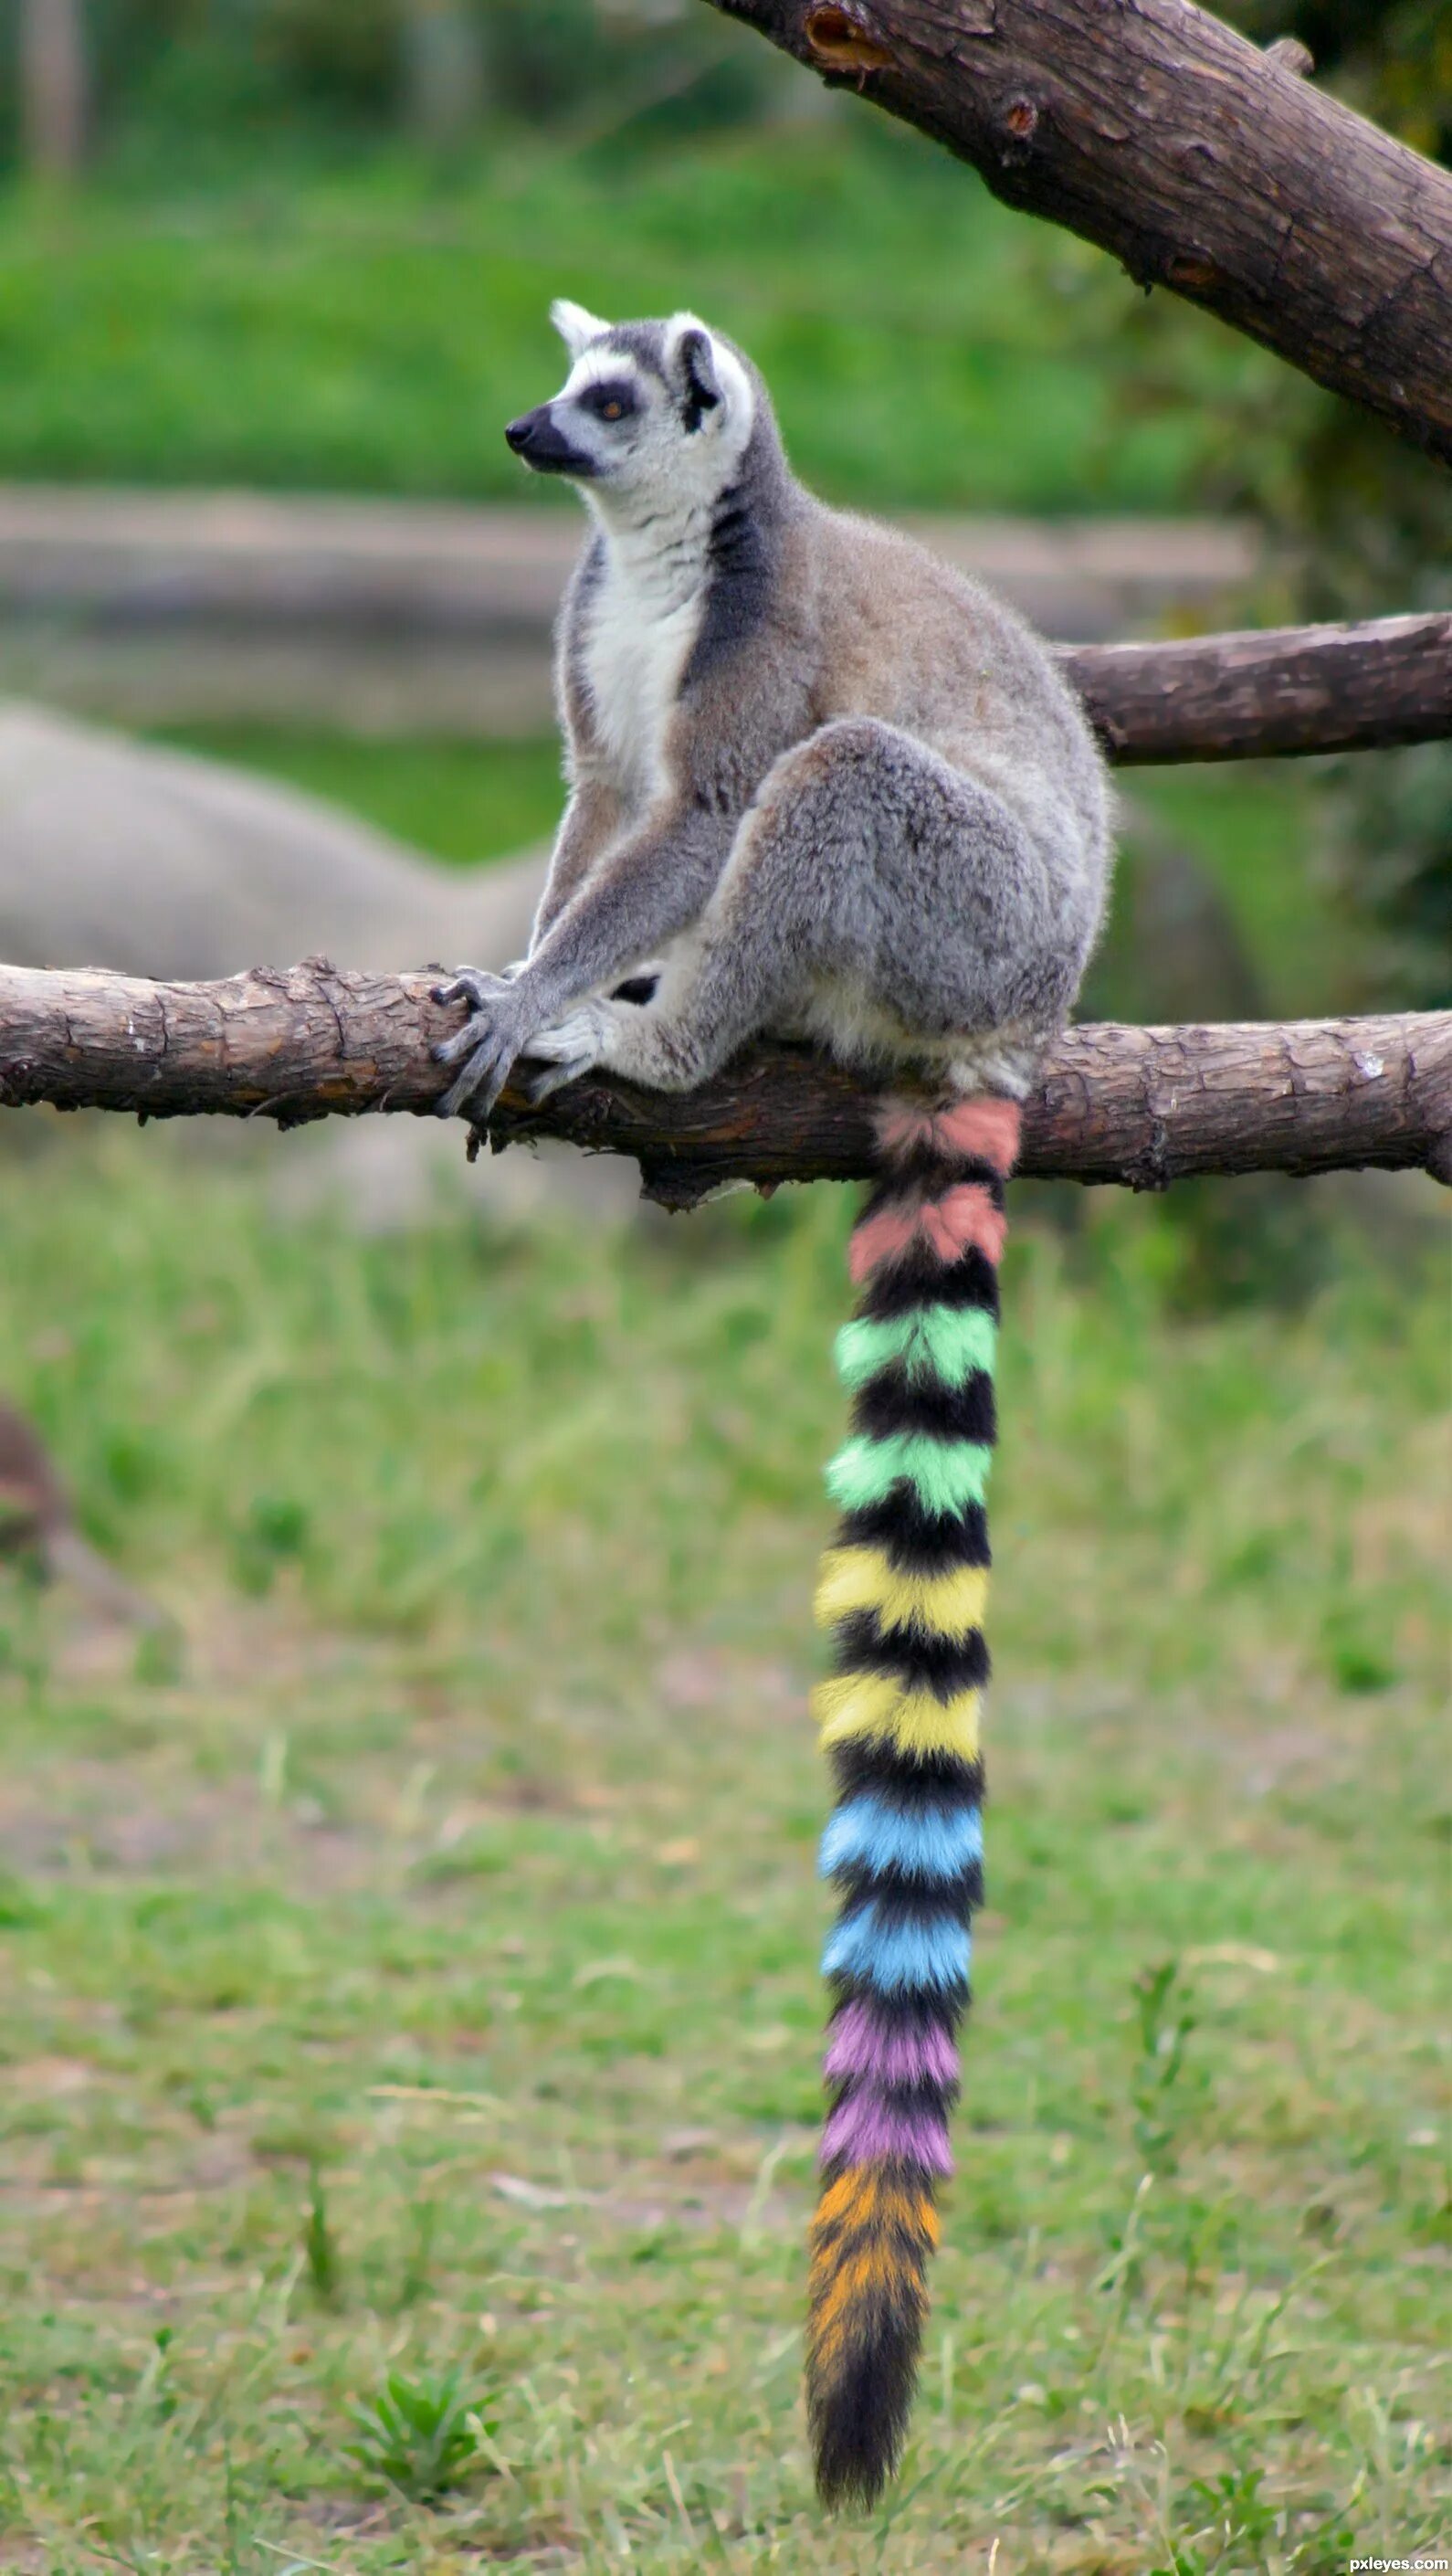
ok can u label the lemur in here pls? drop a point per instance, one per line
(822, 787)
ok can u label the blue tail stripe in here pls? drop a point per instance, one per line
(897, 1958)
(923, 1842)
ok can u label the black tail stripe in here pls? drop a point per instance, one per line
(928, 1897)
(938, 1779)
(927, 1177)
(898, 1399)
(943, 1665)
(919, 1279)
(917, 1541)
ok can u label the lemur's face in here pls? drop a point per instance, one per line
(648, 410)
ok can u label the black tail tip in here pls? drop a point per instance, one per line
(859, 2425)
(852, 2481)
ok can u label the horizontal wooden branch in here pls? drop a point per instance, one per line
(1203, 164)
(1135, 1105)
(1270, 691)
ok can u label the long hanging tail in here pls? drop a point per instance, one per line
(904, 1590)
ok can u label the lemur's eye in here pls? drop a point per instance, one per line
(610, 401)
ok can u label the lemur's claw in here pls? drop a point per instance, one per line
(482, 1080)
(554, 1077)
(475, 985)
(462, 1043)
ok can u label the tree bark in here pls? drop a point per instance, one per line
(1283, 689)
(1134, 1105)
(1204, 165)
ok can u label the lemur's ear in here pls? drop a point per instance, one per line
(576, 327)
(695, 367)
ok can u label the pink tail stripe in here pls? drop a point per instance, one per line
(867, 2130)
(979, 1131)
(862, 2045)
(964, 1219)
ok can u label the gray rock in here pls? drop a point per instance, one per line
(155, 862)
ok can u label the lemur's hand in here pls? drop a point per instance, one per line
(492, 1036)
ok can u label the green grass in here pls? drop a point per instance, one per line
(407, 1982)
(374, 329)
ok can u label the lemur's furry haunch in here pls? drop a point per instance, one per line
(822, 787)
(903, 1591)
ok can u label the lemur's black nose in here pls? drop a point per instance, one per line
(540, 444)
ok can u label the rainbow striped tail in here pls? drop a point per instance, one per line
(904, 1590)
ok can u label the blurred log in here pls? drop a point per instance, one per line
(1282, 689)
(414, 615)
(443, 70)
(1200, 162)
(52, 67)
(1141, 1106)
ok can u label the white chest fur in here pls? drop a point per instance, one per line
(639, 630)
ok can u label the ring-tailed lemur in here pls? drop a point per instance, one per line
(821, 786)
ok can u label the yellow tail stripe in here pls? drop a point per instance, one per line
(865, 1578)
(869, 1704)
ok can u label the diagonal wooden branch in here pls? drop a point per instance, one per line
(1201, 163)
(1140, 1106)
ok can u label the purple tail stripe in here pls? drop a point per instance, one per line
(862, 2045)
(866, 2129)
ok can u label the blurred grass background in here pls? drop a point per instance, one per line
(411, 1968)
(337, 327)
(406, 1963)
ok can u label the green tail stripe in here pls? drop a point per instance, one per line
(946, 1342)
(944, 1474)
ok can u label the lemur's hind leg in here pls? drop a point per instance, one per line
(867, 870)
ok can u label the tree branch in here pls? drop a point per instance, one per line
(1200, 162)
(1140, 1106)
(1276, 690)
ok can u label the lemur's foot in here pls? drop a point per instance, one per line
(604, 1031)
(486, 1045)
(542, 1086)
(575, 1045)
